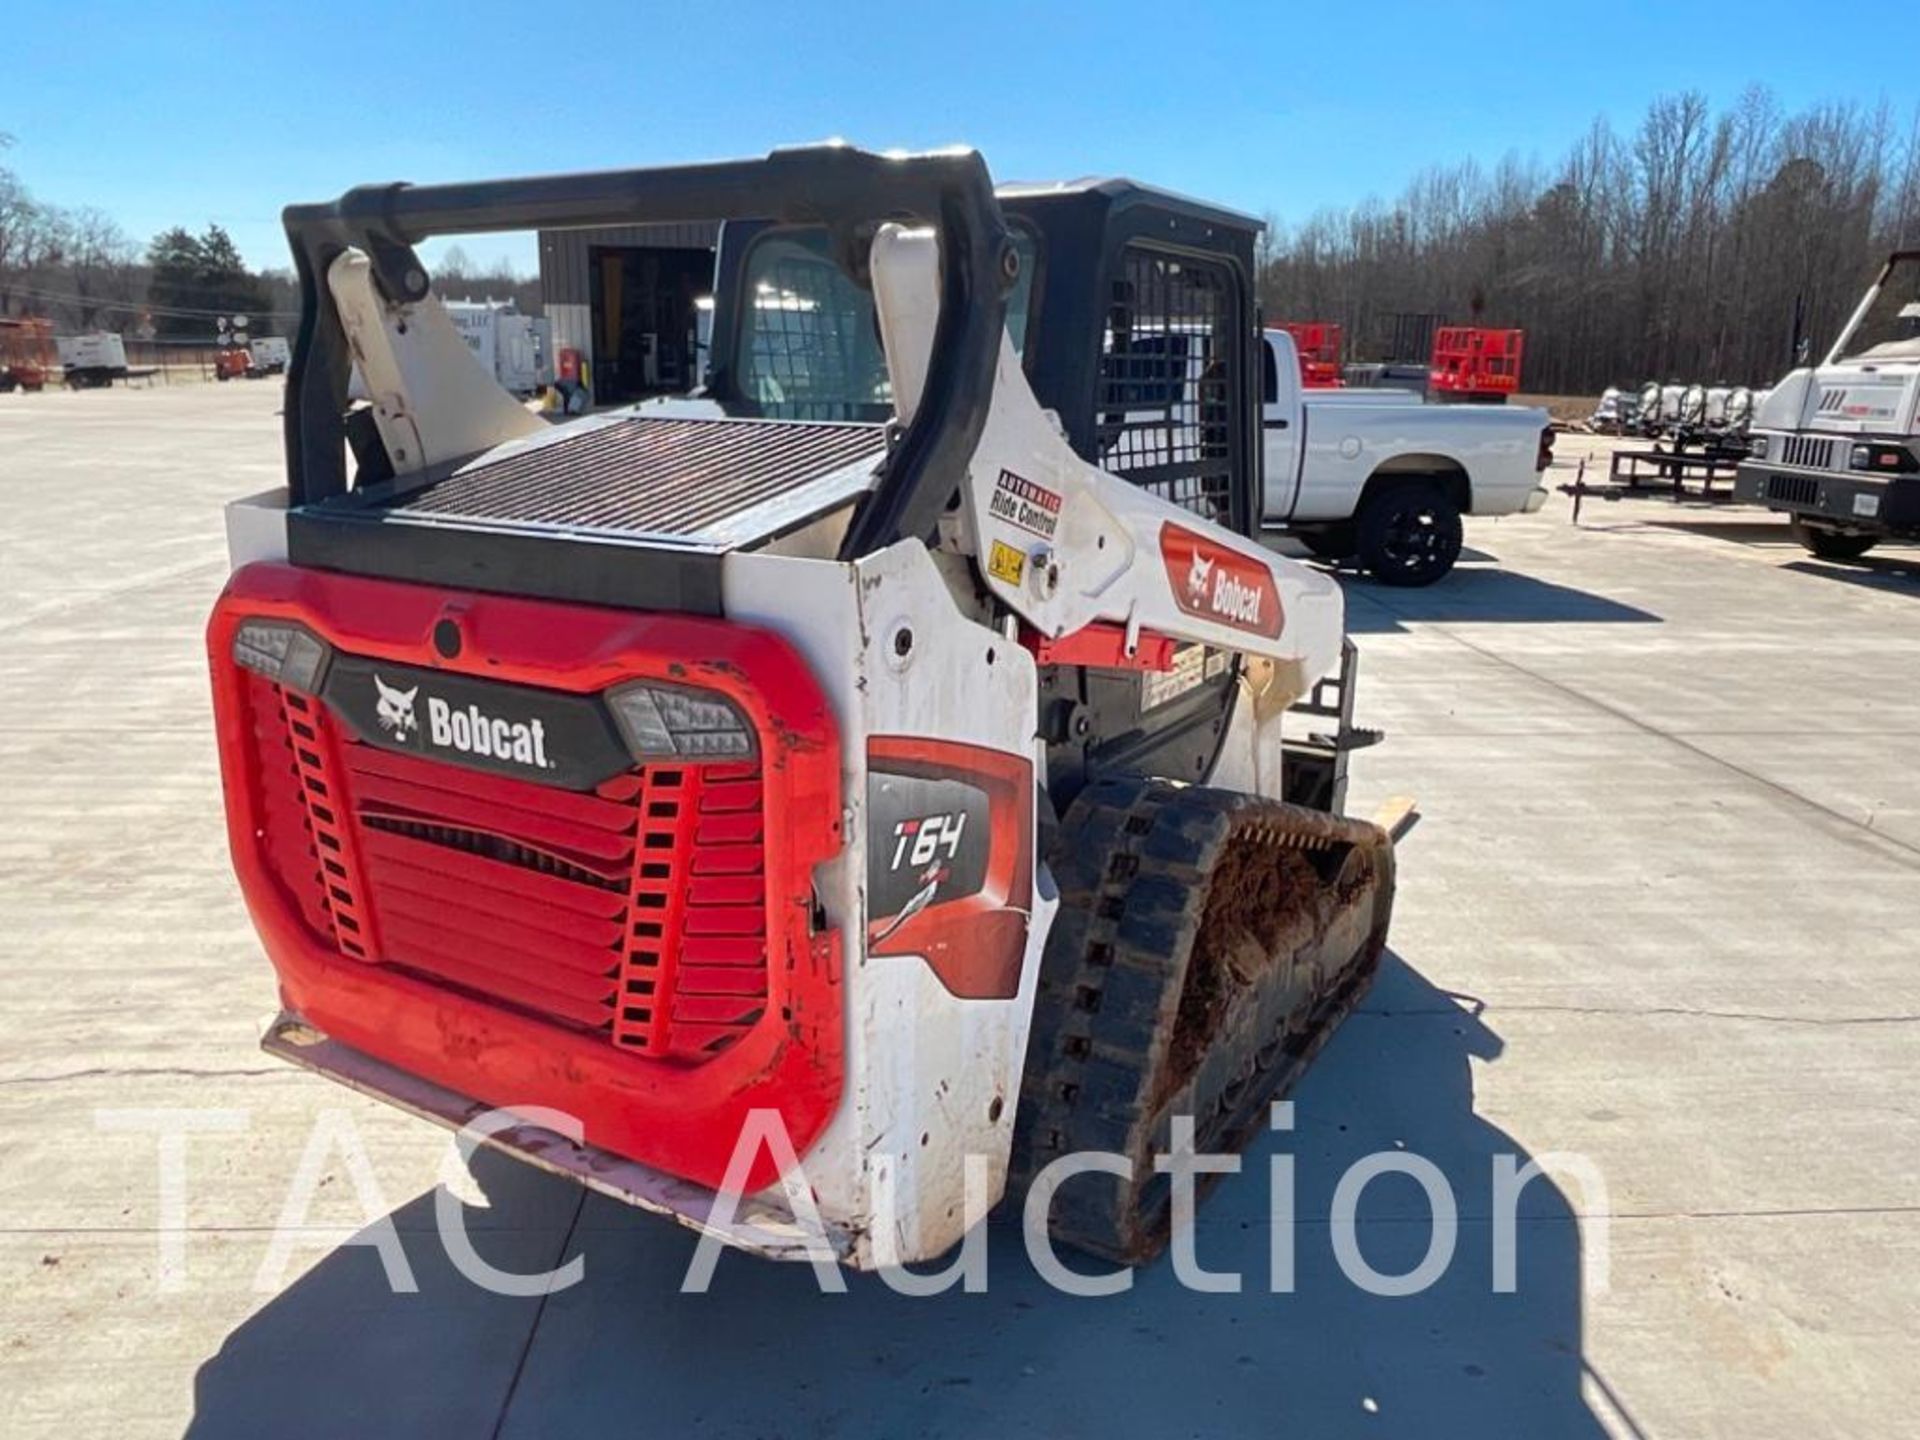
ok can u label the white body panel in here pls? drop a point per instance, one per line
(930, 1079)
(919, 1062)
(257, 528)
(1862, 388)
(97, 350)
(1844, 399)
(268, 351)
(474, 321)
(524, 360)
(1065, 545)
(1322, 446)
(515, 349)
(432, 401)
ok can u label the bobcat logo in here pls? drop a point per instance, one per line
(1198, 575)
(395, 709)
(1213, 583)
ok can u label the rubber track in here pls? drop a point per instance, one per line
(1135, 866)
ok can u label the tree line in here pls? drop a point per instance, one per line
(81, 270)
(1700, 247)
(82, 252)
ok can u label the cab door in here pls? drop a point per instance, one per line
(1281, 416)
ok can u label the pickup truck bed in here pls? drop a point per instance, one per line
(1384, 477)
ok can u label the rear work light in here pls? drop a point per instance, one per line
(668, 722)
(288, 655)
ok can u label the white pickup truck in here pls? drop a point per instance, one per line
(1380, 476)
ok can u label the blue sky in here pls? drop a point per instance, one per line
(185, 113)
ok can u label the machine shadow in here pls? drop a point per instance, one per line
(1481, 594)
(1771, 532)
(765, 1353)
(1892, 574)
(1894, 568)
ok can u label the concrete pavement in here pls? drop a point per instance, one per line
(1661, 910)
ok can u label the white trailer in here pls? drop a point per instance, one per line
(268, 355)
(92, 360)
(516, 349)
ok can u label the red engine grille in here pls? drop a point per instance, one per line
(637, 911)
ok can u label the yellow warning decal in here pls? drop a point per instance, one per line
(1006, 563)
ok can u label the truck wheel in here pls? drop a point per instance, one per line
(1409, 533)
(1831, 544)
(1331, 542)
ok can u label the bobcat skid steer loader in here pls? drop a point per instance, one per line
(878, 753)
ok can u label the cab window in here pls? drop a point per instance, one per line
(810, 343)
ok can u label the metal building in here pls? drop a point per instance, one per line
(623, 296)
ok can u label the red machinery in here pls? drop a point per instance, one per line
(1318, 342)
(27, 354)
(1470, 363)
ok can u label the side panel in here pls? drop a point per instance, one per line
(1348, 442)
(257, 528)
(931, 1077)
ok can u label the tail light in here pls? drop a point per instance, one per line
(669, 722)
(289, 655)
(1882, 459)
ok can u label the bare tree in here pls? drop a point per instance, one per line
(1699, 247)
(103, 271)
(25, 237)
